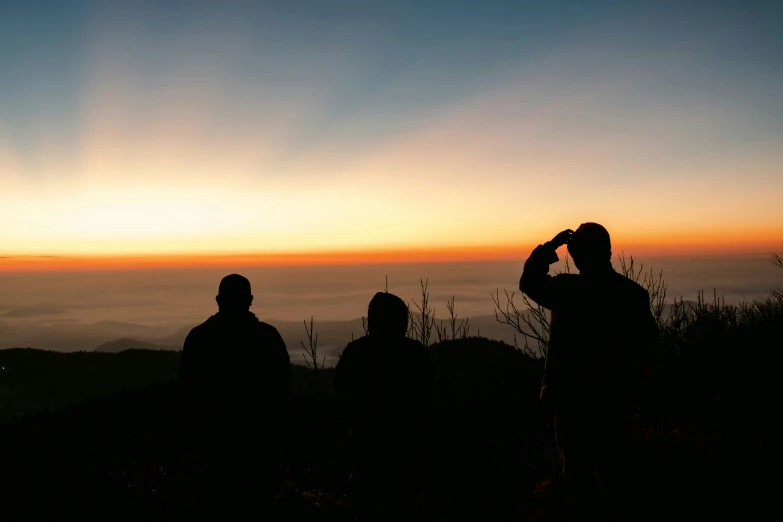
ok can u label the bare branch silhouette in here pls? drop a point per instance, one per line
(454, 328)
(422, 323)
(532, 321)
(651, 281)
(311, 350)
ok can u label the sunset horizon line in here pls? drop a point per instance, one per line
(205, 259)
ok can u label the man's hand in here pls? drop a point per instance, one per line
(562, 238)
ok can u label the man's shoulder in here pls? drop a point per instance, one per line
(266, 328)
(203, 328)
(358, 345)
(367, 342)
(355, 350)
(214, 326)
(630, 286)
(267, 334)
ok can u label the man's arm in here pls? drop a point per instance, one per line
(536, 282)
(283, 363)
(186, 359)
(645, 340)
(343, 373)
(648, 331)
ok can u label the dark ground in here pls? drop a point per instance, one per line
(129, 454)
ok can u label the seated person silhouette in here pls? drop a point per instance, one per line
(236, 371)
(387, 380)
(602, 331)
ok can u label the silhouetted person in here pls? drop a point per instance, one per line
(236, 372)
(602, 330)
(387, 379)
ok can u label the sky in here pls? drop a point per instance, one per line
(294, 130)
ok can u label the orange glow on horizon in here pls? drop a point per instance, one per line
(682, 246)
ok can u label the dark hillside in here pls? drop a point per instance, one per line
(127, 343)
(33, 380)
(130, 453)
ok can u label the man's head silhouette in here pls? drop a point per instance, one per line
(590, 247)
(234, 294)
(387, 316)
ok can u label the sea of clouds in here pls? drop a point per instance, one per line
(70, 311)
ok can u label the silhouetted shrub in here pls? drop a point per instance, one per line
(476, 369)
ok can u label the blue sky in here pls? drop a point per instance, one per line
(436, 123)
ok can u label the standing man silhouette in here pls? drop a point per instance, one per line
(602, 331)
(236, 372)
(387, 380)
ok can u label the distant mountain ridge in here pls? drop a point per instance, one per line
(127, 343)
(116, 336)
(34, 311)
